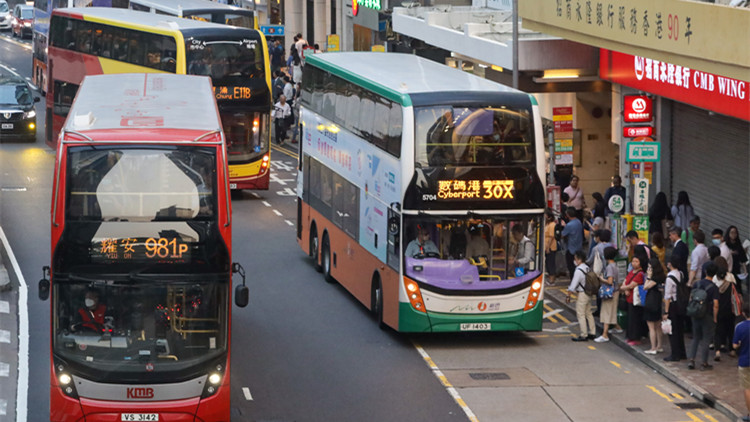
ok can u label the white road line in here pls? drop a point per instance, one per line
(4, 307)
(23, 335)
(4, 336)
(444, 380)
(277, 212)
(4, 369)
(289, 222)
(246, 392)
(551, 313)
(255, 195)
(4, 408)
(266, 203)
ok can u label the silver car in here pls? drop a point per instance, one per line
(5, 17)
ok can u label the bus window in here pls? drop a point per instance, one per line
(366, 116)
(353, 106)
(380, 123)
(139, 7)
(136, 48)
(395, 128)
(64, 93)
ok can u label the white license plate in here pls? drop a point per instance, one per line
(7, 126)
(233, 186)
(476, 326)
(139, 417)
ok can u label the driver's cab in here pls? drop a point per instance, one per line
(470, 251)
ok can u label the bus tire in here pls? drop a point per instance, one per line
(326, 258)
(315, 248)
(376, 299)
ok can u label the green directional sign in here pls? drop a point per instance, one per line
(643, 151)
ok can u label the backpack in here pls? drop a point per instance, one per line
(592, 283)
(558, 231)
(683, 295)
(697, 304)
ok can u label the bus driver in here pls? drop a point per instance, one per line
(422, 245)
(92, 315)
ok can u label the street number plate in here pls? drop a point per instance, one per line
(233, 186)
(140, 417)
(7, 126)
(476, 326)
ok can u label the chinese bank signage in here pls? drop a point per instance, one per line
(701, 89)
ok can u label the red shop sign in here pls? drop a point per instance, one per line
(636, 131)
(637, 108)
(712, 92)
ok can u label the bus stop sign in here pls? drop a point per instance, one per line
(272, 30)
(643, 151)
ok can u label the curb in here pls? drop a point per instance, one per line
(694, 389)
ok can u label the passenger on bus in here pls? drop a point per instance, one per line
(422, 245)
(524, 251)
(478, 250)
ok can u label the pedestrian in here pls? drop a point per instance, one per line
(564, 198)
(608, 314)
(299, 43)
(277, 56)
(616, 189)
(682, 211)
(297, 69)
(687, 235)
(596, 260)
(673, 312)
(575, 195)
(295, 111)
(652, 311)
(583, 300)
(725, 282)
(704, 326)
(713, 253)
(741, 343)
(659, 248)
(717, 238)
(288, 90)
(739, 257)
(679, 249)
(278, 85)
(281, 111)
(600, 207)
(292, 52)
(635, 241)
(634, 279)
(658, 214)
(573, 235)
(316, 48)
(550, 247)
(698, 257)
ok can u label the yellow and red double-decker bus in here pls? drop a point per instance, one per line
(93, 40)
(141, 255)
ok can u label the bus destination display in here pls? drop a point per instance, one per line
(473, 189)
(140, 249)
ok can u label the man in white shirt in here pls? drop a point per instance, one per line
(698, 257)
(717, 236)
(672, 311)
(281, 111)
(583, 301)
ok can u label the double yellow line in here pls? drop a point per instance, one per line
(286, 150)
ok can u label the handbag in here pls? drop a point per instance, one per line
(736, 300)
(666, 326)
(622, 303)
(606, 291)
(639, 295)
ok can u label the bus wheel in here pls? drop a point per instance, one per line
(326, 251)
(315, 249)
(376, 299)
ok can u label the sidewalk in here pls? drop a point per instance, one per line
(718, 388)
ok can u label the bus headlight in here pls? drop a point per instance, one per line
(213, 381)
(414, 294)
(65, 379)
(535, 293)
(67, 386)
(214, 378)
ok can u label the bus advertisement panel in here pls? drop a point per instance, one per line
(141, 271)
(423, 194)
(106, 40)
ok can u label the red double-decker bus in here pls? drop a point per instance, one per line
(141, 266)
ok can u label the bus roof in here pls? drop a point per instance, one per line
(144, 101)
(398, 76)
(136, 18)
(192, 6)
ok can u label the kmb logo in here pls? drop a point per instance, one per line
(140, 393)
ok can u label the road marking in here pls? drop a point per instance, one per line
(277, 212)
(617, 365)
(4, 408)
(4, 307)
(23, 334)
(266, 203)
(286, 192)
(246, 392)
(592, 347)
(552, 313)
(677, 396)
(289, 222)
(693, 418)
(660, 394)
(707, 416)
(443, 380)
(4, 336)
(4, 369)
(275, 178)
(255, 195)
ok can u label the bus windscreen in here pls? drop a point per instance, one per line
(222, 58)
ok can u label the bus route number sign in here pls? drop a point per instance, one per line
(459, 190)
(132, 249)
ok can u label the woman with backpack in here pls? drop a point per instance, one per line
(652, 309)
(726, 283)
(635, 312)
(676, 294)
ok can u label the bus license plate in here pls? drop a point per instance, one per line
(7, 126)
(476, 326)
(140, 417)
(233, 186)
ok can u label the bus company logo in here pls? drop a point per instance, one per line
(140, 393)
(482, 306)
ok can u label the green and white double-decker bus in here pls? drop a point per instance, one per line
(421, 191)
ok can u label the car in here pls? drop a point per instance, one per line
(23, 18)
(5, 17)
(17, 113)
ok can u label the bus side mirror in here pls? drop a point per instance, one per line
(393, 226)
(241, 292)
(44, 284)
(241, 296)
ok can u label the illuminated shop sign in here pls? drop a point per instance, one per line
(452, 190)
(370, 4)
(637, 108)
(140, 249)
